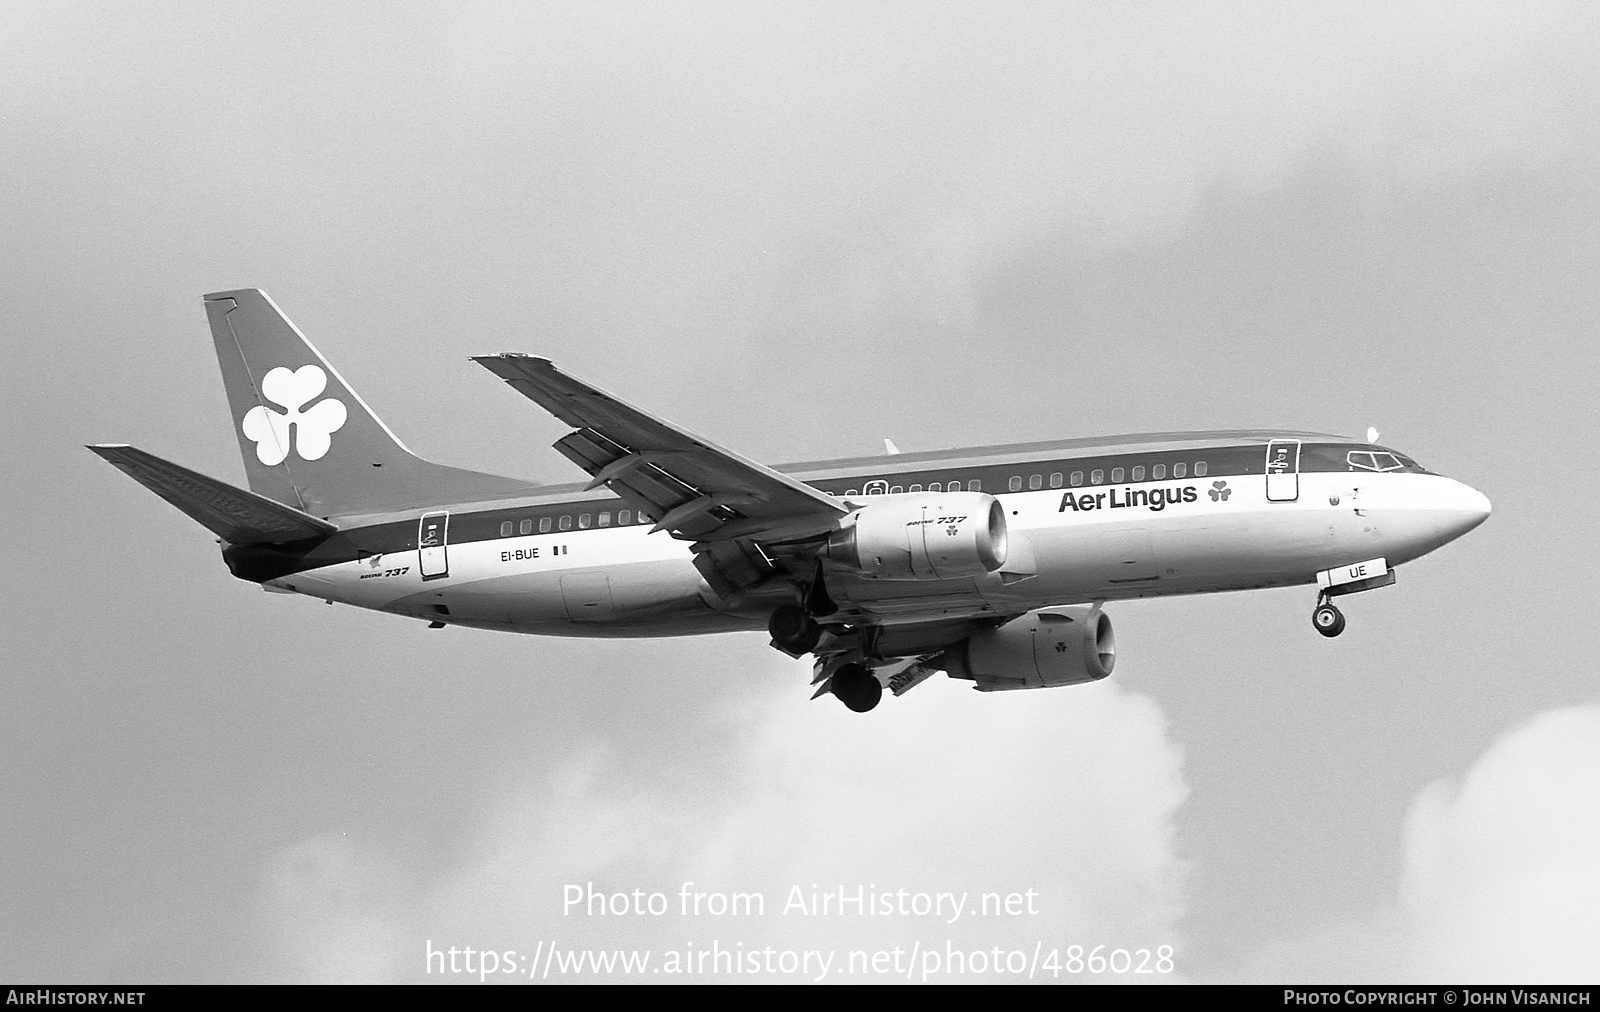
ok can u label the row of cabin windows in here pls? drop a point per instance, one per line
(881, 487)
(1158, 472)
(585, 521)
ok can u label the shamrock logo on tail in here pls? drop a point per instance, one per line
(309, 432)
(1219, 491)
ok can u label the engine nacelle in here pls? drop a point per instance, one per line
(1052, 646)
(923, 536)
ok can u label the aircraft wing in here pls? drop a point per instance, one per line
(728, 505)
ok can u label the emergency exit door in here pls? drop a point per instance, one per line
(1283, 470)
(433, 537)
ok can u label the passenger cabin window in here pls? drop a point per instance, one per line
(544, 525)
(974, 485)
(1116, 474)
(852, 492)
(1035, 482)
(505, 529)
(566, 523)
(1158, 472)
(526, 527)
(896, 490)
(1077, 478)
(1055, 479)
(625, 517)
(605, 519)
(583, 522)
(1179, 470)
(1200, 469)
(1015, 484)
(916, 488)
(1097, 476)
(1138, 473)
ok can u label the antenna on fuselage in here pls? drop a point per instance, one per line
(1372, 434)
(889, 447)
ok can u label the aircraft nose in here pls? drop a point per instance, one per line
(1460, 508)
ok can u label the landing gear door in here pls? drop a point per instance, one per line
(433, 537)
(1283, 470)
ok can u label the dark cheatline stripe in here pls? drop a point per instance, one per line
(468, 526)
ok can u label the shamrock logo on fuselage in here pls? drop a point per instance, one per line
(309, 432)
(1219, 491)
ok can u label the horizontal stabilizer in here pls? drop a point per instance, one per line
(236, 516)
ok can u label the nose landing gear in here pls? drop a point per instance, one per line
(1346, 580)
(1352, 579)
(1328, 620)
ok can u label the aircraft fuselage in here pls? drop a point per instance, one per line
(605, 574)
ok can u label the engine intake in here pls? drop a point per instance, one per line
(923, 536)
(1039, 650)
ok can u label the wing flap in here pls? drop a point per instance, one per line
(236, 516)
(698, 491)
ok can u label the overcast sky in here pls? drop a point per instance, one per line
(799, 229)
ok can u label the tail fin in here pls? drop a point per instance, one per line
(307, 438)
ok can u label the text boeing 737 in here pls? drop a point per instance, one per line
(886, 568)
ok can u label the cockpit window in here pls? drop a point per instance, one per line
(1353, 456)
(1362, 460)
(1409, 464)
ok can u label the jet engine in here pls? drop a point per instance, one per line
(923, 536)
(1045, 648)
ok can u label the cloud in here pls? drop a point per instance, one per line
(1068, 796)
(1500, 881)
(328, 913)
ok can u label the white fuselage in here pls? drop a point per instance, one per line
(1216, 533)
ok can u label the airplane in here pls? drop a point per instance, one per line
(992, 564)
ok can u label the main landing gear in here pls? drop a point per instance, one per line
(794, 627)
(796, 631)
(793, 630)
(1328, 620)
(857, 687)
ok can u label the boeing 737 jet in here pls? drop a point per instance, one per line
(991, 564)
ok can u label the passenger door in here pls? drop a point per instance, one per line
(1283, 470)
(433, 536)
